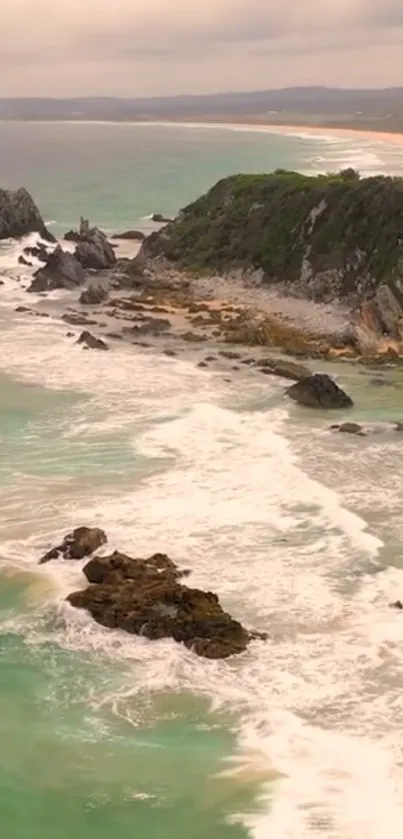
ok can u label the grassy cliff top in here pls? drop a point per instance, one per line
(293, 227)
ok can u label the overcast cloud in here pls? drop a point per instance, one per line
(152, 47)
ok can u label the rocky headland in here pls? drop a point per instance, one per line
(270, 272)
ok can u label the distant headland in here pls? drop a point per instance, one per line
(379, 110)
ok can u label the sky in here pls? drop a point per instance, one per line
(163, 47)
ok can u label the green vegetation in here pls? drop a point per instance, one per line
(338, 229)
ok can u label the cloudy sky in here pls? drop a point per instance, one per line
(151, 47)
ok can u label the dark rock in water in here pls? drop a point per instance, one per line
(62, 270)
(144, 597)
(157, 217)
(91, 342)
(38, 251)
(82, 542)
(319, 391)
(23, 261)
(137, 235)
(151, 326)
(284, 369)
(22, 309)
(75, 319)
(93, 295)
(399, 426)
(349, 428)
(397, 605)
(19, 215)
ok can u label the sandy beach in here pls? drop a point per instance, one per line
(391, 138)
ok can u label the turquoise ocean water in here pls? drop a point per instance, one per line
(299, 533)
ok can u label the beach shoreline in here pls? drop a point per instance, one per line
(291, 129)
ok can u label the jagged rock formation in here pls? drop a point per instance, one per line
(62, 270)
(19, 215)
(93, 249)
(145, 597)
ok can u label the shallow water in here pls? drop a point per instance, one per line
(297, 529)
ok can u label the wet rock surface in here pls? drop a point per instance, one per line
(81, 542)
(145, 597)
(61, 270)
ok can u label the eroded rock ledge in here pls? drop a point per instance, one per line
(145, 597)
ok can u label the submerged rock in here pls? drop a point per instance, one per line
(144, 597)
(319, 391)
(19, 215)
(82, 542)
(89, 341)
(62, 270)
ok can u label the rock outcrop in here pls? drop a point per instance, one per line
(93, 249)
(19, 216)
(319, 391)
(144, 597)
(82, 542)
(62, 270)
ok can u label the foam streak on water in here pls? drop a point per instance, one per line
(320, 716)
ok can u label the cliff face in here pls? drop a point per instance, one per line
(324, 238)
(19, 215)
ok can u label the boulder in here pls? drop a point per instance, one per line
(82, 542)
(62, 270)
(19, 215)
(137, 235)
(93, 295)
(144, 597)
(319, 391)
(89, 341)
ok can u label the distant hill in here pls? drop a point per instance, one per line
(372, 109)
